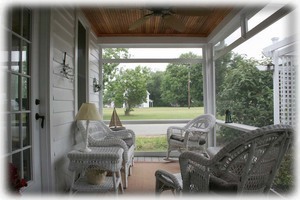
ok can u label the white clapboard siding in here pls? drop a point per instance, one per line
(63, 94)
(63, 34)
(62, 106)
(63, 118)
(63, 91)
(59, 132)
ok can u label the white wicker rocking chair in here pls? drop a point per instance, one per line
(192, 136)
(248, 164)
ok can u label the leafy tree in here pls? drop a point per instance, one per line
(154, 88)
(110, 69)
(130, 88)
(175, 83)
(247, 93)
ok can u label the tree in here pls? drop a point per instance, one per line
(130, 88)
(247, 93)
(110, 69)
(154, 88)
(175, 83)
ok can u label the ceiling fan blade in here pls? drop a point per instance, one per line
(139, 22)
(192, 11)
(173, 23)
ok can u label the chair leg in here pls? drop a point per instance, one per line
(168, 153)
(158, 187)
(125, 176)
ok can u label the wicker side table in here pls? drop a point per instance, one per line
(102, 158)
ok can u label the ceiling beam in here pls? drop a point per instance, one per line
(155, 60)
(151, 42)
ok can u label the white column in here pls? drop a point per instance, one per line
(101, 82)
(276, 88)
(209, 87)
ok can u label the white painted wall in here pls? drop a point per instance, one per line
(63, 102)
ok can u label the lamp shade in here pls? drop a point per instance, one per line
(88, 111)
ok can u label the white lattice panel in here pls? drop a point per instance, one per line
(287, 90)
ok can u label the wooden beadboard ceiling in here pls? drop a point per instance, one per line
(110, 22)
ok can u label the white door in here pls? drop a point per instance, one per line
(23, 149)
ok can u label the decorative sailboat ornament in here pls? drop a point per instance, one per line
(115, 122)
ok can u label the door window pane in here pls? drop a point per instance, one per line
(26, 164)
(14, 88)
(25, 93)
(15, 54)
(16, 160)
(15, 131)
(25, 57)
(25, 129)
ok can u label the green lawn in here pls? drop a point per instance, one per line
(156, 113)
(151, 143)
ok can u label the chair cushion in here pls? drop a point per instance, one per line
(219, 185)
(181, 139)
(202, 141)
(177, 137)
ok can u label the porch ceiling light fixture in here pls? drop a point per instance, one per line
(87, 111)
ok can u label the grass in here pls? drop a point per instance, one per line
(151, 143)
(155, 113)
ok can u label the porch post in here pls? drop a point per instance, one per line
(209, 87)
(101, 82)
(276, 88)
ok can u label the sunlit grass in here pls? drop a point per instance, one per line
(151, 143)
(156, 113)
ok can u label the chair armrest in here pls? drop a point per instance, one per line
(109, 142)
(174, 130)
(195, 157)
(171, 179)
(124, 134)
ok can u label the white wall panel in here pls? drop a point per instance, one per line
(63, 37)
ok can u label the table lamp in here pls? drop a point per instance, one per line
(87, 111)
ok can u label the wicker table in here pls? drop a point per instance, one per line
(103, 158)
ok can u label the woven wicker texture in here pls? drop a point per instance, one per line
(102, 136)
(100, 158)
(192, 136)
(248, 164)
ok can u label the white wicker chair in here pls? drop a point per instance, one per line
(192, 136)
(102, 136)
(248, 164)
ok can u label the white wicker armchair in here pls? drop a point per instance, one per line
(248, 164)
(192, 136)
(101, 136)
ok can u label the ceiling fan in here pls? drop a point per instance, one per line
(168, 17)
